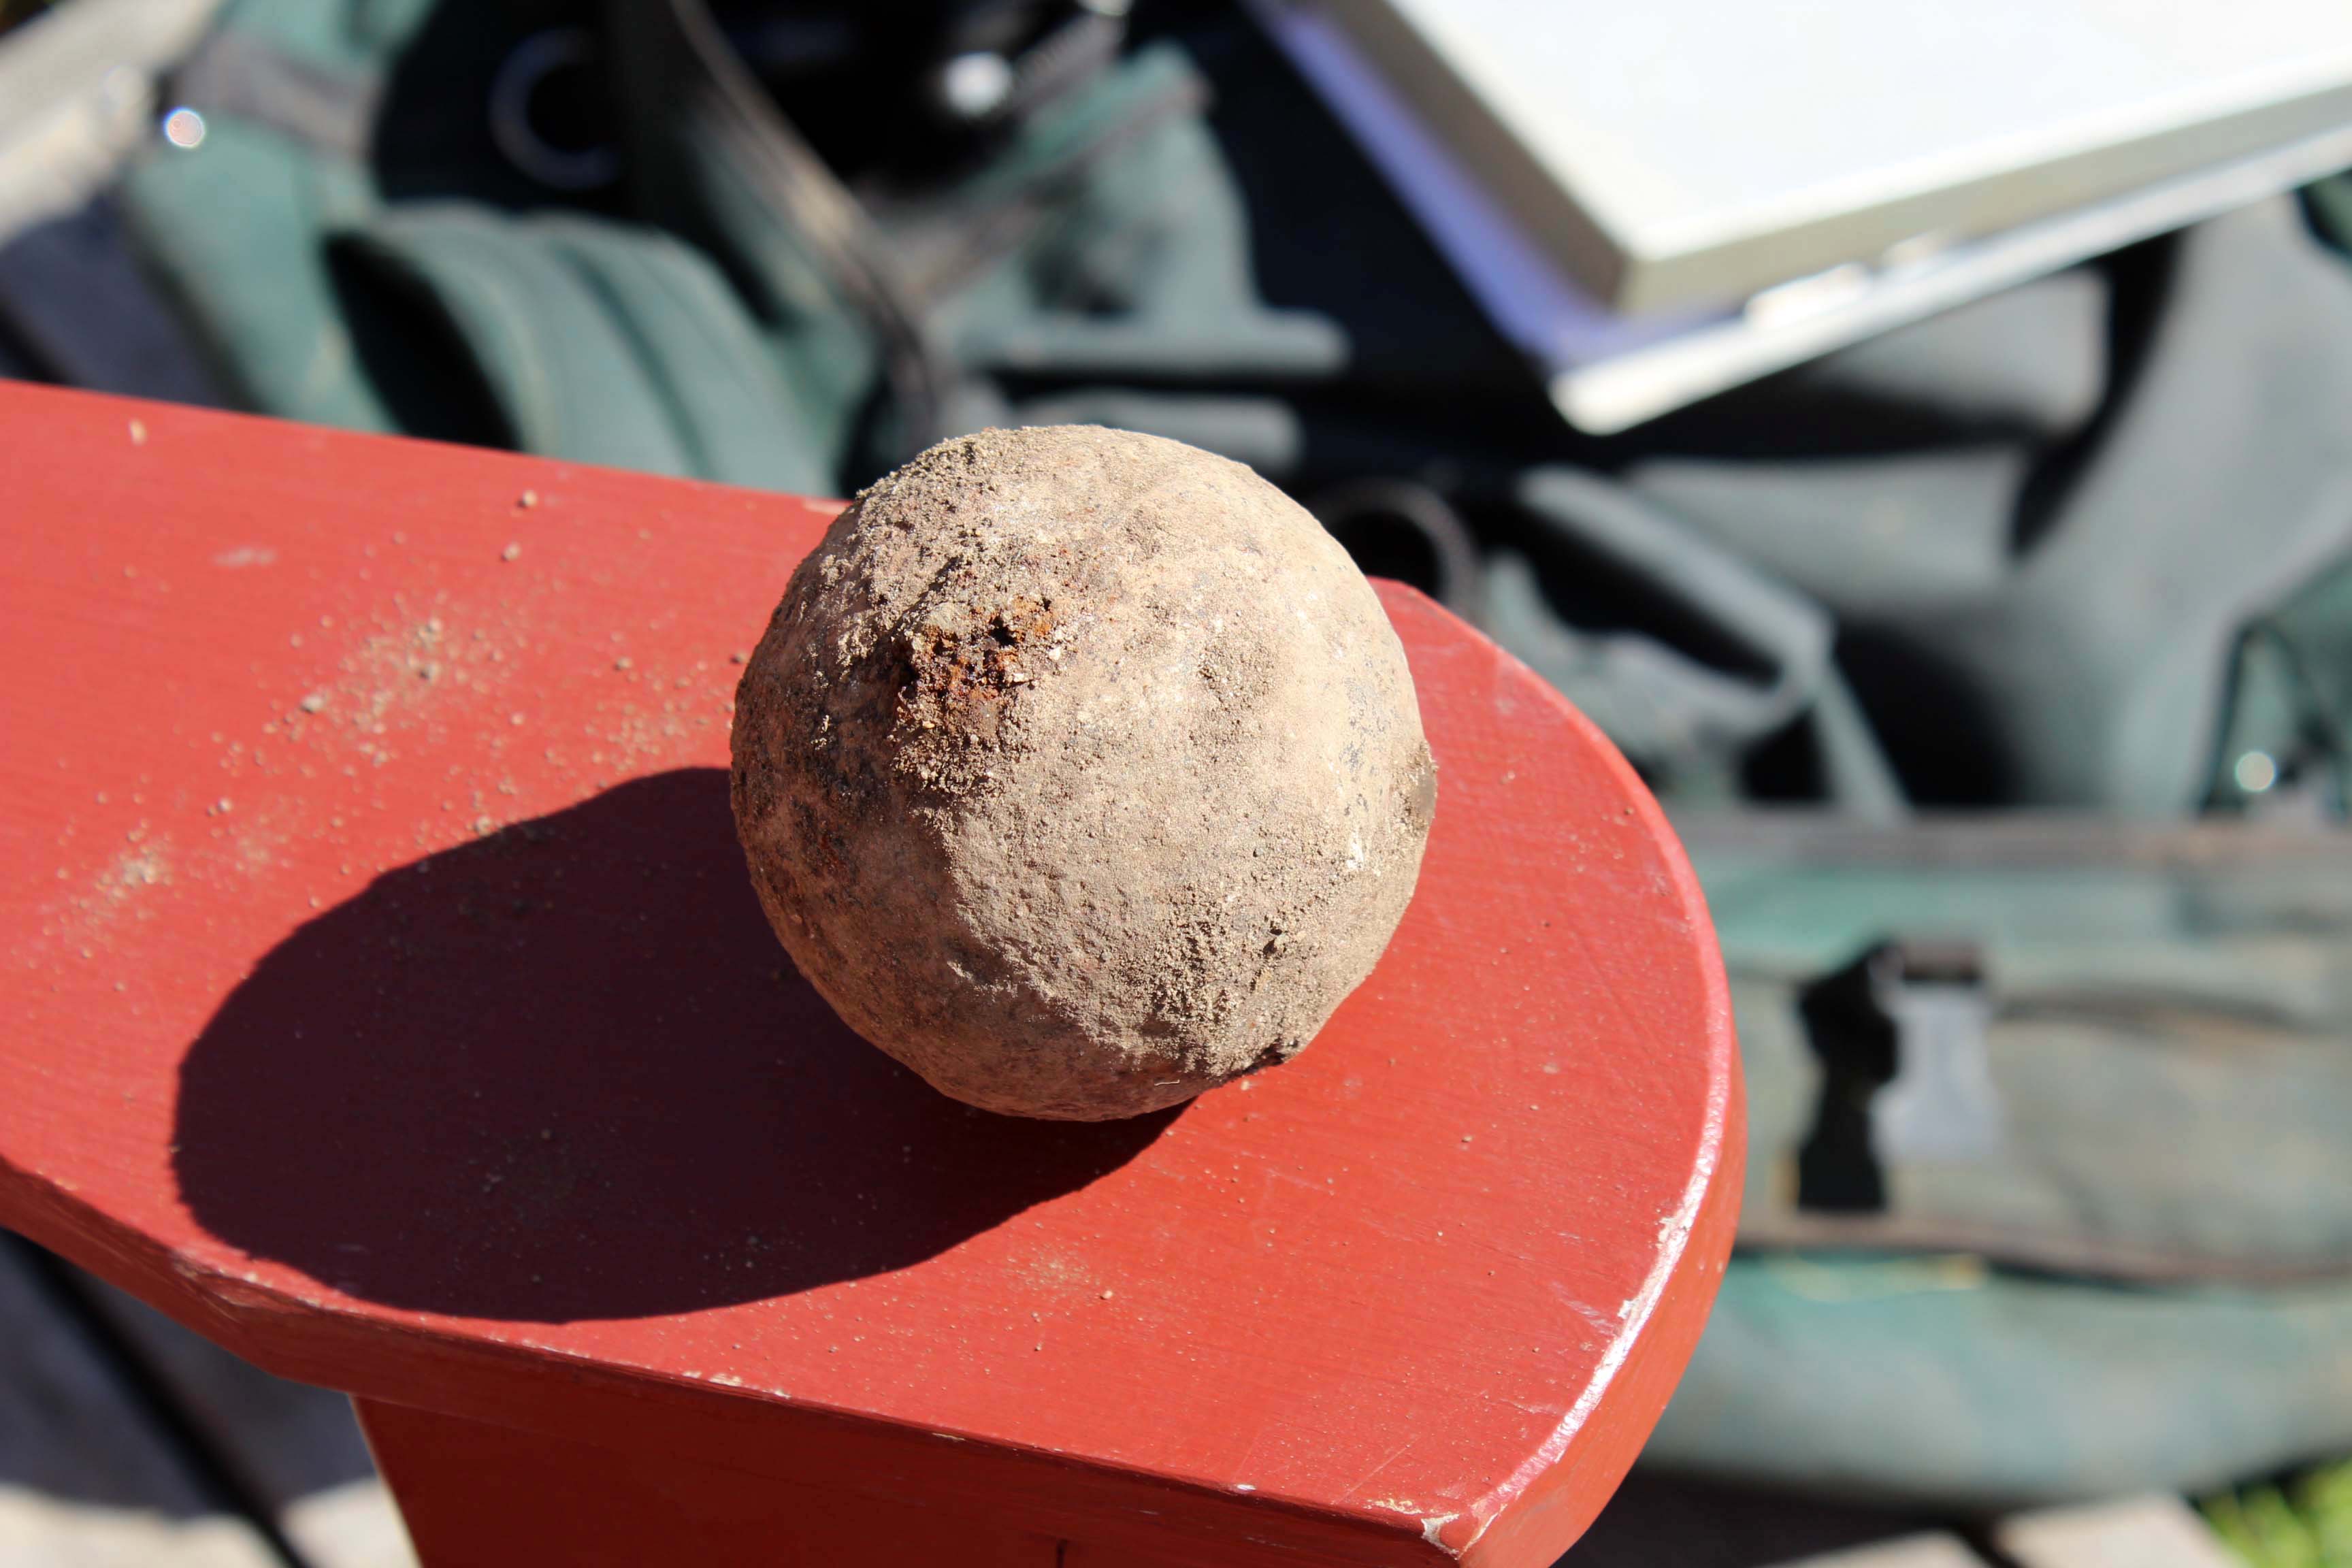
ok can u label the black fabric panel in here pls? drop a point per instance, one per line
(77, 309)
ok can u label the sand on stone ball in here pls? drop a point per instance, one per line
(1080, 771)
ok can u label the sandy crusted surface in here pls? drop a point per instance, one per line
(1081, 770)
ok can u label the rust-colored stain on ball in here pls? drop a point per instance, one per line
(1080, 771)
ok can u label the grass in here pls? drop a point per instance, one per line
(2306, 1523)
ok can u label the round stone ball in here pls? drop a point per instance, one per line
(1080, 771)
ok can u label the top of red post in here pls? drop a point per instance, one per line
(386, 999)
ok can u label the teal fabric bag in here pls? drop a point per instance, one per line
(2050, 1190)
(586, 338)
(2111, 1249)
(1104, 237)
(1940, 1381)
(596, 341)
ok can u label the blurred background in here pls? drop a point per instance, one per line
(1919, 433)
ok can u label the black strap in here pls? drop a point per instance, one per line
(679, 50)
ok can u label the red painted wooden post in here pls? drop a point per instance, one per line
(386, 999)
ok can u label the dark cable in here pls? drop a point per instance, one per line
(788, 174)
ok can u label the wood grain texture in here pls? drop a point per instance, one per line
(386, 1000)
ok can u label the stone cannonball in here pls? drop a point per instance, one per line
(1080, 771)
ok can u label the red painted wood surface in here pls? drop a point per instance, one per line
(385, 998)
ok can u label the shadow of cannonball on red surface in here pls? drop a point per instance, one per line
(567, 1072)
